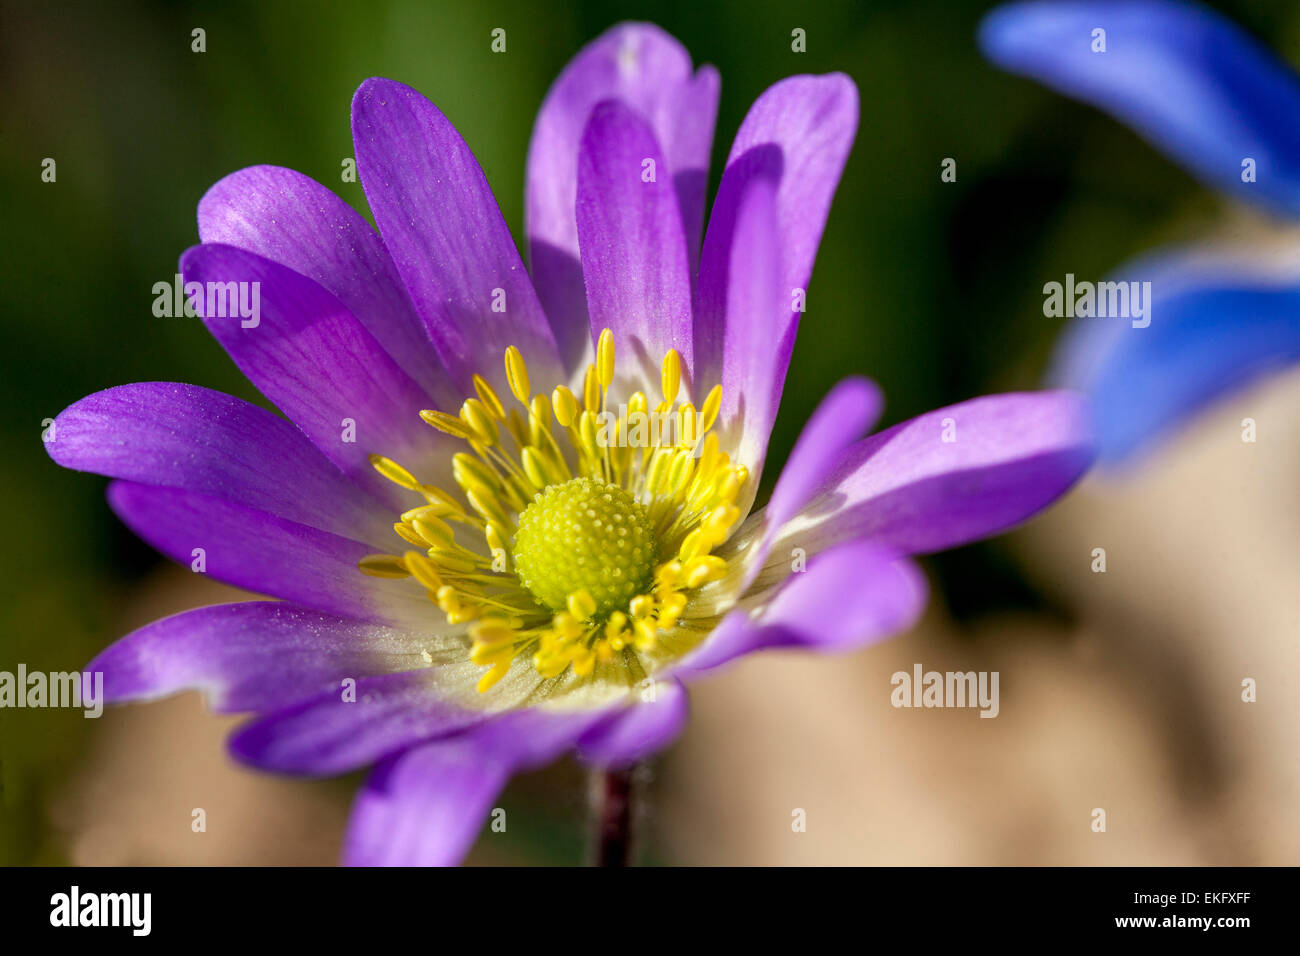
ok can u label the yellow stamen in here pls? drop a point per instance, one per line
(652, 507)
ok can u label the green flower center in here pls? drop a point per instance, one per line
(585, 535)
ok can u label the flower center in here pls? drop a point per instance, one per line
(585, 535)
(599, 525)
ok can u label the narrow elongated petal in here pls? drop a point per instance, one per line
(634, 258)
(950, 476)
(758, 307)
(1185, 78)
(645, 68)
(848, 596)
(652, 721)
(290, 218)
(798, 131)
(269, 555)
(318, 364)
(445, 232)
(424, 807)
(253, 656)
(1218, 320)
(333, 733)
(183, 436)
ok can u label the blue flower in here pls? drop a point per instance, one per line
(1226, 109)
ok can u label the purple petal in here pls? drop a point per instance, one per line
(645, 68)
(912, 489)
(441, 224)
(798, 131)
(183, 436)
(633, 250)
(753, 365)
(424, 807)
(329, 734)
(843, 416)
(290, 218)
(1188, 80)
(313, 359)
(270, 555)
(638, 731)
(848, 596)
(254, 656)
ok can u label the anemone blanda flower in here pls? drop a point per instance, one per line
(1222, 106)
(507, 585)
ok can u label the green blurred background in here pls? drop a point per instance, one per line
(931, 288)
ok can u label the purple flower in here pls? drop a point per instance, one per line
(537, 579)
(1196, 86)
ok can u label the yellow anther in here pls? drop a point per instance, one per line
(687, 425)
(700, 571)
(680, 474)
(493, 632)
(709, 411)
(658, 471)
(409, 535)
(497, 539)
(437, 510)
(719, 520)
(475, 414)
(693, 545)
(436, 496)
(449, 424)
(535, 468)
(591, 390)
(383, 566)
(668, 574)
(581, 605)
(422, 570)
(434, 530)
(486, 504)
(642, 606)
(517, 374)
(451, 562)
(568, 626)
(645, 635)
(488, 656)
(587, 432)
(605, 358)
(565, 405)
(488, 396)
(466, 468)
(671, 375)
(539, 420)
(584, 663)
(492, 677)
(394, 472)
(616, 624)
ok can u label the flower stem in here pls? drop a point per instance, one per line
(612, 794)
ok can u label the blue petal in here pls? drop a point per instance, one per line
(1217, 323)
(1190, 82)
